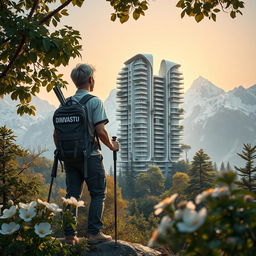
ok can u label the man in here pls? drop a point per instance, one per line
(82, 76)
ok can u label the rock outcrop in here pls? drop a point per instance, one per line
(121, 248)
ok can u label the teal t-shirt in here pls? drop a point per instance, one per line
(96, 113)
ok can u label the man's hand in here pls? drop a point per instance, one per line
(115, 145)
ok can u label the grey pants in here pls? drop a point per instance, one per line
(96, 183)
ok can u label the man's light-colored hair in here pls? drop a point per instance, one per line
(81, 73)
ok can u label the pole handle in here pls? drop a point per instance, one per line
(114, 152)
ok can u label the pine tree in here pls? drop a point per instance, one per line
(202, 174)
(215, 167)
(222, 167)
(247, 173)
(228, 168)
(13, 184)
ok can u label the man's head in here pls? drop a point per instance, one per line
(82, 76)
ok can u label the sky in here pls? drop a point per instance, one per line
(224, 52)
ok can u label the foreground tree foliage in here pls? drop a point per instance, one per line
(18, 182)
(31, 50)
(221, 222)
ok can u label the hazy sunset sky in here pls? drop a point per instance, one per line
(224, 52)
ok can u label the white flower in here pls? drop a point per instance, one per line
(10, 203)
(178, 214)
(192, 220)
(201, 197)
(43, 229)
(8, 213)
(27, 213)
(54, 207)
(163, 204)
(164, 225)
(42, 202)
(8, 229)
(27, 206)
(190, 205)
(73, 201)
(222, 191)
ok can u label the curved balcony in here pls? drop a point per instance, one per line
(159, 104)
(140, 67)
(141, 106)
(141, 121)
(122, 86)
(141, 97)
(158, 79)
(140, 73)
(158, 107)
(158, 85)
(176, 77)
(140, 78)
(122, 110)
(141, 87)
(140, 92)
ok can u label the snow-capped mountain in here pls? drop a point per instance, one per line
(22, 124)
(219, 122)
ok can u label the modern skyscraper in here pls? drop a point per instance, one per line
(149, 111)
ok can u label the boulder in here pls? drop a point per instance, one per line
(121, 248)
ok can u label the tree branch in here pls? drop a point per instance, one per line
(23, 40)
(16, 54)
(47, 17)
(33, 9)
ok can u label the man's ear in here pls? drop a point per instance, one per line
(90, 80)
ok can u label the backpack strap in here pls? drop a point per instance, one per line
(86, 98)
(83, 101)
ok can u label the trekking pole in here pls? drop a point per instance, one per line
(115, 201)
(54, 174)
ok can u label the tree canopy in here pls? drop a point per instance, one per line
(31, 50)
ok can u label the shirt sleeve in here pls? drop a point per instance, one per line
(99, 114)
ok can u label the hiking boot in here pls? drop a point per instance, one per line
(72, 240)
(99, 238)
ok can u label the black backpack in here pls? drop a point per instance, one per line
(73, 141)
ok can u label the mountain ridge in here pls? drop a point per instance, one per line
(216, 120)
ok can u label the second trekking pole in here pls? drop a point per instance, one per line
(115, 200)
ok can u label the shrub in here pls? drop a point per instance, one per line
(26, 228)
(220, 222)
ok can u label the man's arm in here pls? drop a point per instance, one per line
(104, 137)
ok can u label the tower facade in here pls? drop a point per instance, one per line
(149, 111)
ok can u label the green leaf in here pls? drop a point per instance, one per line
(216, 10)
(54, 22)
(183, 13)
(113, 17)
(136, 15)
(124, 18)
(233, 14)
(180, 4)
(199, 17)
(214, 16)
(64, 12)
(49, 87)
(46, 44)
